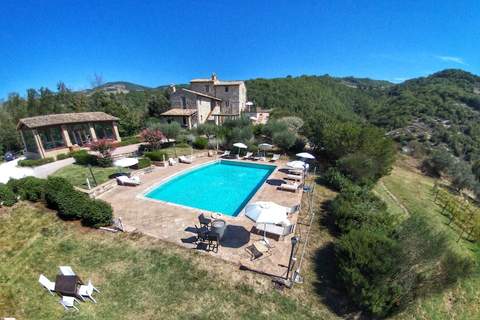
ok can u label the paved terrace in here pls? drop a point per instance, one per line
(176, 224)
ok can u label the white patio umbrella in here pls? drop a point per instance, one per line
(297, 164)
(266, 212)
(265, 146)
(305, 155)
(125, 162)
(240, 145)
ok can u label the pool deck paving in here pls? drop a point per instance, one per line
(176, 224)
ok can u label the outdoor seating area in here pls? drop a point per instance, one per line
(70, 287)
(259, 242)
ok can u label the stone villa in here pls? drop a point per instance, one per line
(50, 135)
(207, 100)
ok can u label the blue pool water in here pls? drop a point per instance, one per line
(223, 186)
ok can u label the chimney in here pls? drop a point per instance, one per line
(172, 88)
(214, 76)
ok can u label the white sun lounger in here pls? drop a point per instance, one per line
(126, 181)
(69, 302)
(185, 159)
(226, 153)
(87, 291)
(66, 271)
(275, 157)
(248, 155)
(289, 187)
(172, 161)
(47, 284)
(294, 177)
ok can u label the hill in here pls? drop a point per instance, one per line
(441, 110)
(120, 87)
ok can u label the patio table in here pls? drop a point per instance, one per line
(218, 226)
(67, 285)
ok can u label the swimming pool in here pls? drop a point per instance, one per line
(222, 186)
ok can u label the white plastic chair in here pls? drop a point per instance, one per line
(47, 284)
(66, 271)
(69, 302)
(87, 291)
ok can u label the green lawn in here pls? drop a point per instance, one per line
(77, 175)
(139, 278)
(413, 190)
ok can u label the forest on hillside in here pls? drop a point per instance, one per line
(438, 112)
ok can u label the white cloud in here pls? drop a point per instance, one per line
(399, 79)
(451, 59)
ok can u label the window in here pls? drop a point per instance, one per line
(104, 130)
(51, 137)
(207, 88)
(227, 103)
(30, 144)
(226, 88)
(184, 102)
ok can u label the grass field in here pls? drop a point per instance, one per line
(413, 191)
(77, 174)
(143, 278)
(139, 278)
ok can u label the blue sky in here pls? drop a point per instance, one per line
(155, 43)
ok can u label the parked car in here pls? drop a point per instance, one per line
(9, 156)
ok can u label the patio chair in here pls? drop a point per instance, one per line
(184, 159)
(225, 154)
(66, 271)
(69, 302)
(128, 181)
(202, 234)
(172, 161)
(289, 187)
(213, 241)
(47, 284)
(254, 252)
(204, 221)
(87, 291)
(275, 157)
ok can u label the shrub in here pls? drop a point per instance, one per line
(336, 180)
(284, 140)
(182, 145)
(129, 140)
(104, 162)
(367, 265)
(105, 148)
(63, 156)
(53, 187)
(28, 188)
(35, 162)
(84, 158)
(200, 143)
(156, 155)
(357, 208)
(153, 137)
(7, 197)
(72, 205)
(98, 214)
(144, 163)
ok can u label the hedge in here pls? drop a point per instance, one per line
(7, 197)
(34, 162)
(144, 163)
(157, 155)
(54, 187)
(28, 188)
(129, 140)
(63, 156)
(72, 205)
(99, 214)
(84, 158)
